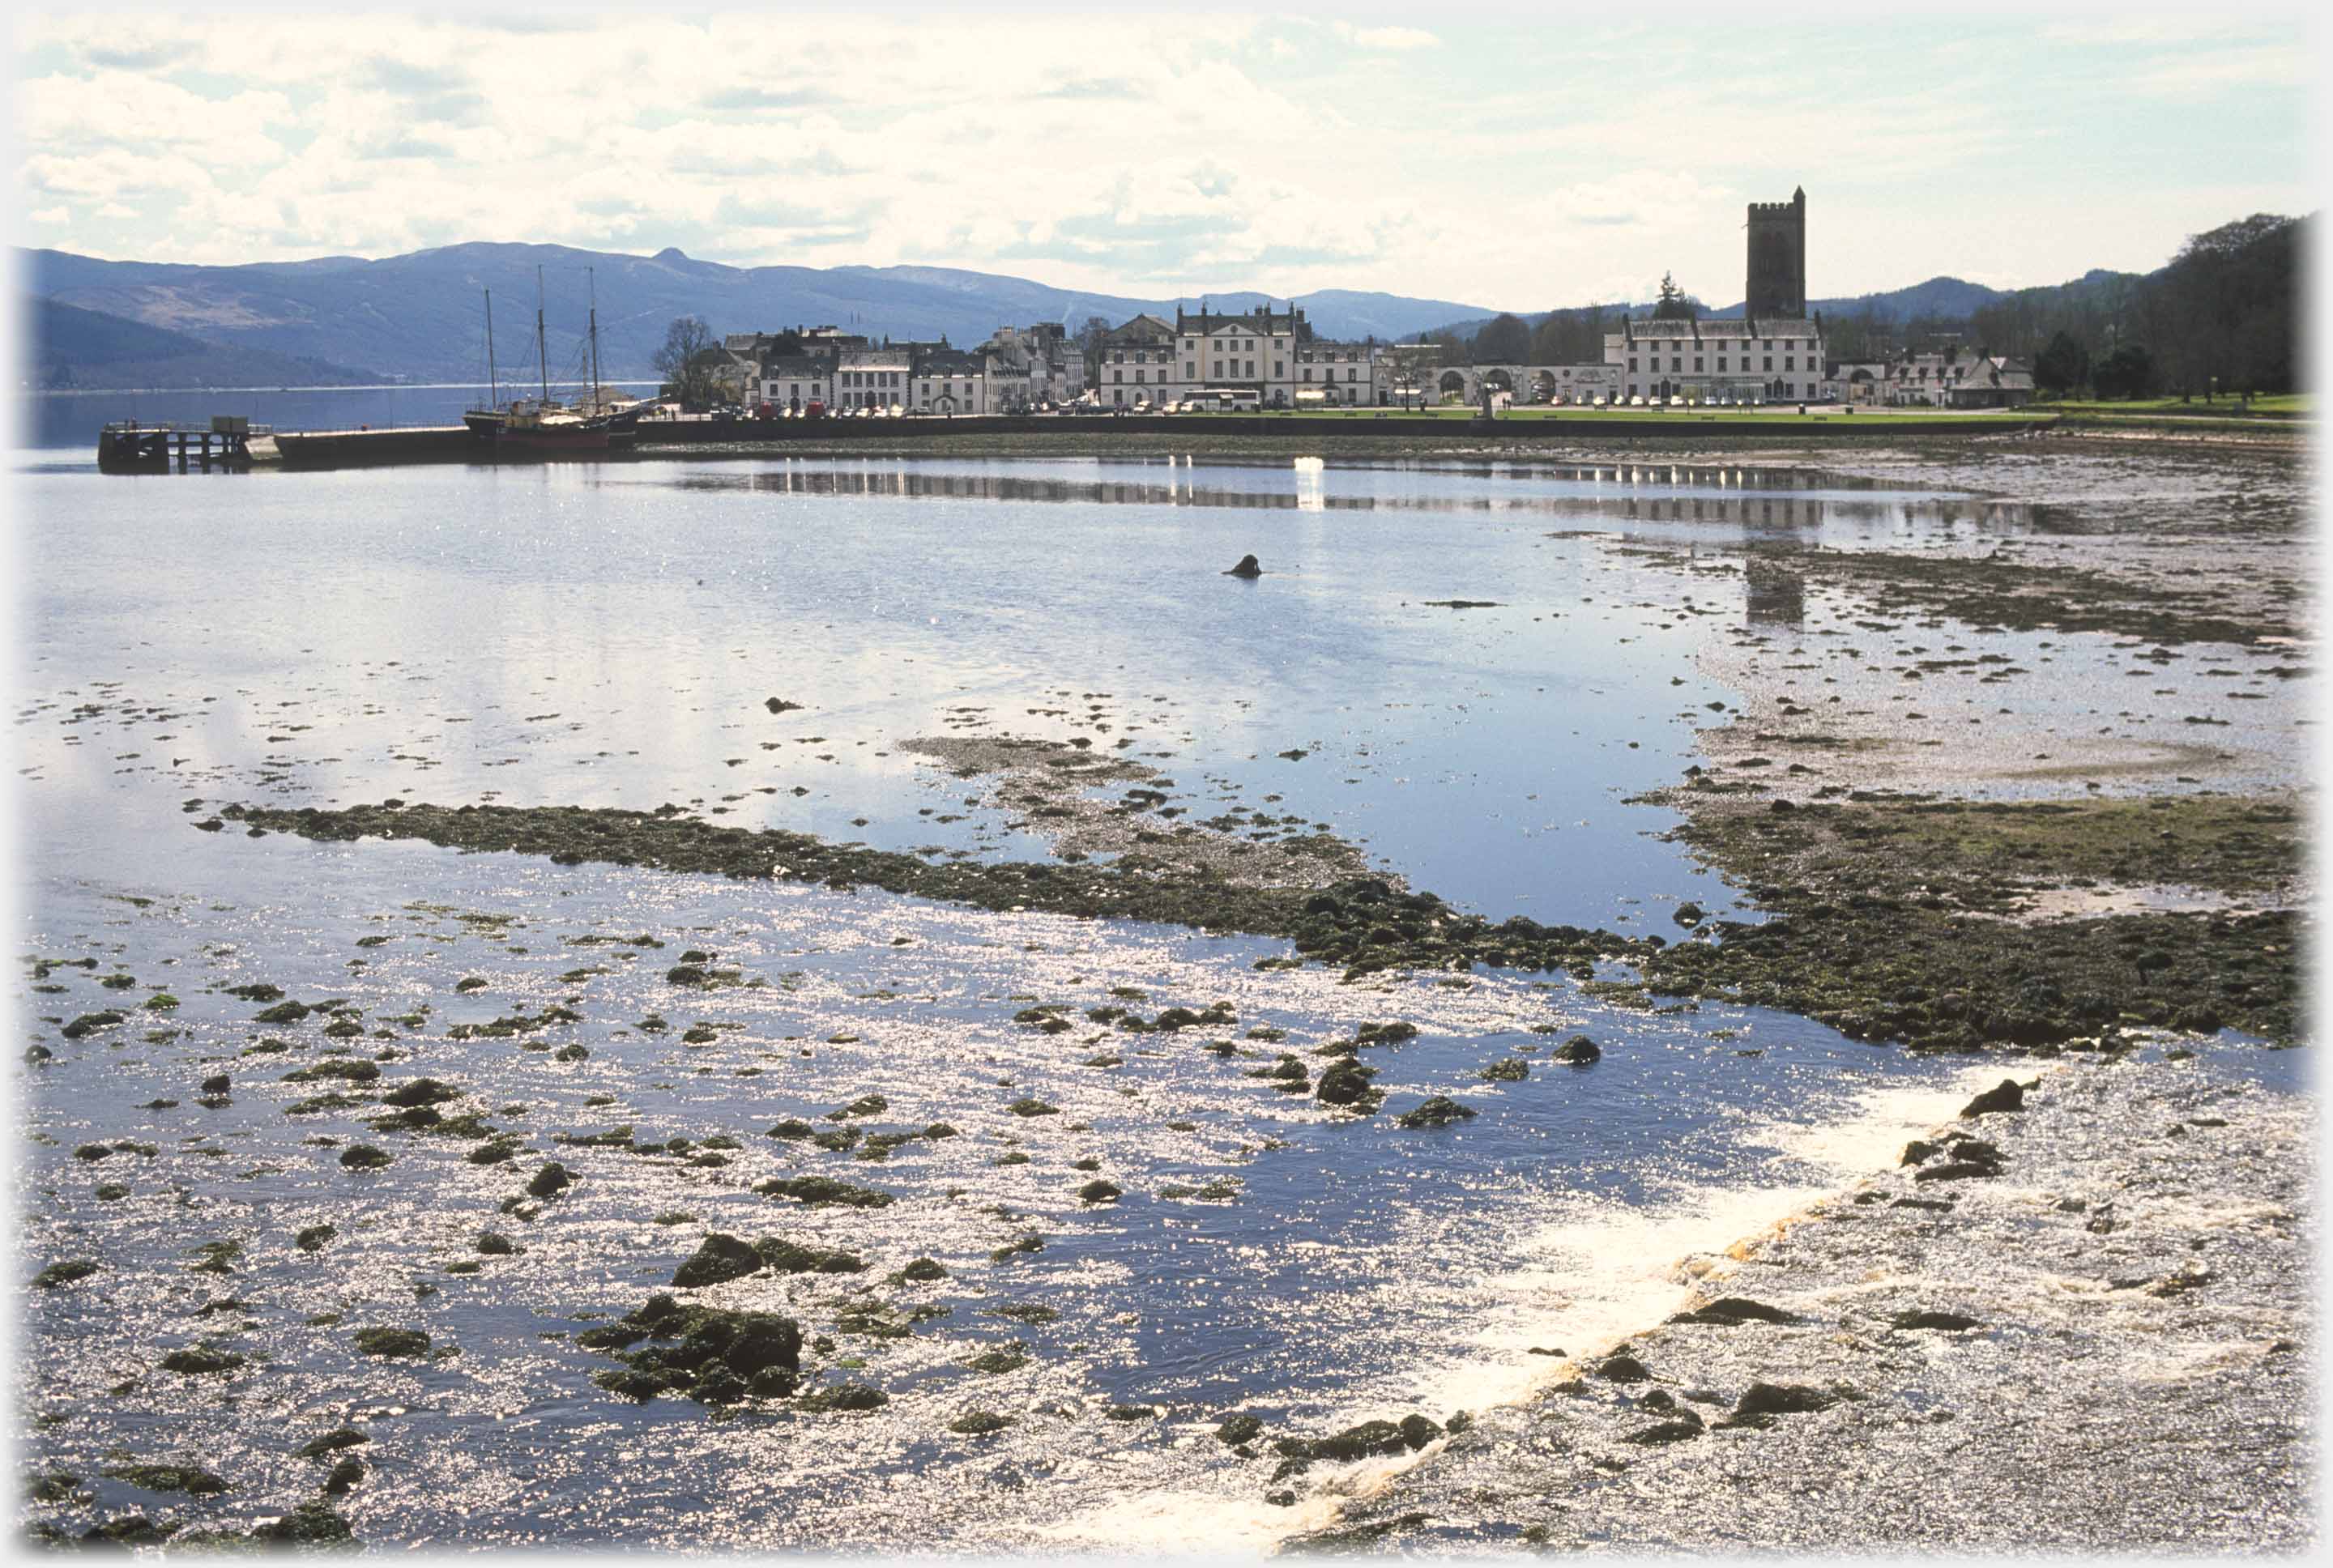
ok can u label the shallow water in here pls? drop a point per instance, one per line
(607, 634)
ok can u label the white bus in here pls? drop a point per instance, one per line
(1226, 400)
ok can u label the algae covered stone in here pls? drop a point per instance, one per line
(392, 1341)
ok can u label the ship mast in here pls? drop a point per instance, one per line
(493, 382)
(541, 357)
(593, 276)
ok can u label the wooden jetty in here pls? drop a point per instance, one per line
(127, 446)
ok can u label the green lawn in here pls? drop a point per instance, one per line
(1780, 414)
(2274, 406)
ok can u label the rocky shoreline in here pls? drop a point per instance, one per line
(2078, 1320)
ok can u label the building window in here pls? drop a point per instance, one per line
(1676, 362)
(1696, 361)
(1251, 369)
(1790, 361)
(1770, 362)
(1190, 371)
(1632, 363)
(1276, 371)
(1117, 376)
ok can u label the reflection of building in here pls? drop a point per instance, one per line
(1775, 595)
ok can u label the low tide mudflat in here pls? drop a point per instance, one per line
(857, 1001)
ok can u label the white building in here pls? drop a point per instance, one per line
(1136, 363)
(952, 381)
(1958, 379)
(1252, 352)
(1043, 358)
(794, 381)
(873, 378)
(1340, 373)
(1772, 361)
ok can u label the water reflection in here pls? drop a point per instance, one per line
(1760, 499)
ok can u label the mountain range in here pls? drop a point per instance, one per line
(422, 316)
(1938, 299)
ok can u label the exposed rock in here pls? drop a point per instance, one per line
(196, 1360)
(1437, 1111)
(188, 1478)
(1763, 1399)
(392, 1341)
(1732, 1311)
(1248, 566)
(1578, 1051)
(1943, 1320)
(845, 1396)
(1238, 1428)
(2006, 1095)
(1623, 1369)
(718, 1259)
(337, 1439)
(550, 1179)
(64, 1273)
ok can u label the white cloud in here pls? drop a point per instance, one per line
(1120, 152)
(1387, 37)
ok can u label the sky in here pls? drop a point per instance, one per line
(1511, 160)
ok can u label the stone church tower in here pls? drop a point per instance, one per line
(1778, 258)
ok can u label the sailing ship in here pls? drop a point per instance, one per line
(539, 426)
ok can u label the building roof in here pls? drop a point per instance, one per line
(1143, 328)
(1263, 321)
(1726, 329)
(949, 362)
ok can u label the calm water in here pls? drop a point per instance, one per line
(607, 634)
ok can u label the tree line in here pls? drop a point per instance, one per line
(2222, 317)
(2225, 316)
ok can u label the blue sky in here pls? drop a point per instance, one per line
(1517, 159)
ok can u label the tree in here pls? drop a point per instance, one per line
(1089, 340)
(1673, 305)
(2128, 372)
(682, 361)
(2063, 367)
(1504, 339)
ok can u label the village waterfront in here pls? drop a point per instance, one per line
(1554, 883)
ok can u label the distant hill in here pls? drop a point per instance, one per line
(1940, 298)
(73, 348)
(421, 315)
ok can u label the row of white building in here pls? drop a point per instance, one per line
(1272, 356)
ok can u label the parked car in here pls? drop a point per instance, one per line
(814, 409)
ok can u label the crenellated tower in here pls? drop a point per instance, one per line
(1777, 284)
